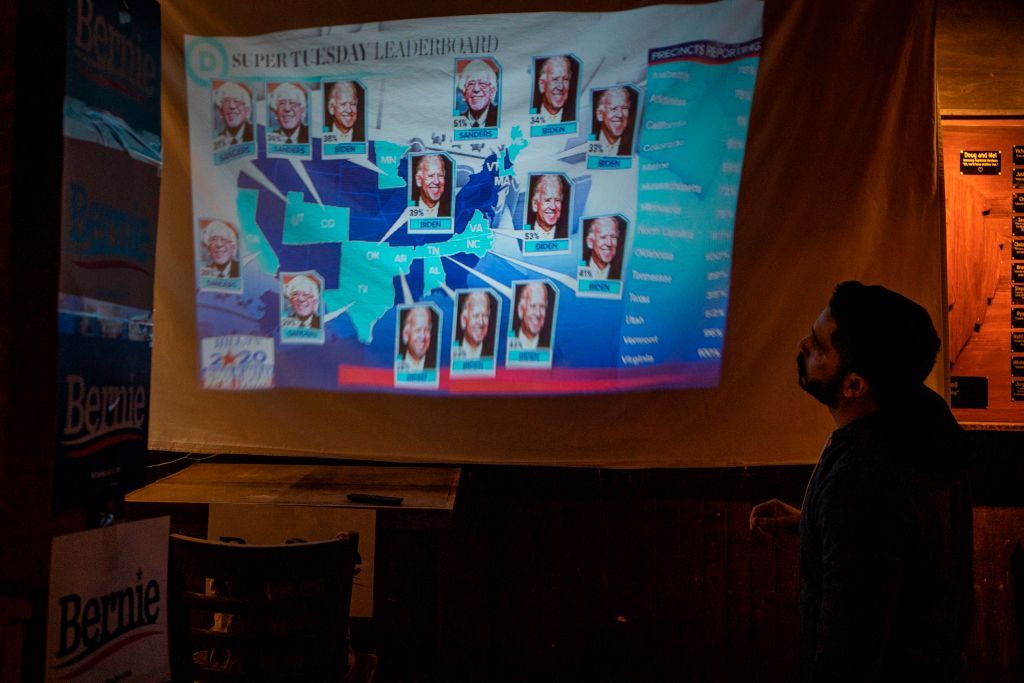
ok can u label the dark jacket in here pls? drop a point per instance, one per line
(886, 549)
(246, 136)
(211, 270)
(491, 120)
(303, 135)
(487, 348)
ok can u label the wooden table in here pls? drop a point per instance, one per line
(428, 492)
(411, 538)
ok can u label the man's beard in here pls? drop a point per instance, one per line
(826, 391)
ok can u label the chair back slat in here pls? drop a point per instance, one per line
(258, 612)
(278, 607)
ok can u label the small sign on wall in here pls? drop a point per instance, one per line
(107, 609)
(985, 162)
(1018, 155)
(968, 392)
(1017, 318)
(1018, 226)
(1017, 249)
(1017, 295)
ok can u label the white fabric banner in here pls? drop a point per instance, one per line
(107, 614)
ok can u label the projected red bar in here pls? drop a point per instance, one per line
(554, 381)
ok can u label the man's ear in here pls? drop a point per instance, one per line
(855, 386)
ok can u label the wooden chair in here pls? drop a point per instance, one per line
(261, 612)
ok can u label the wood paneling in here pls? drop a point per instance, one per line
(978, 58)
(978, 262)
(566, 575)
(614, 576)
(983, 134)
(975, 205)
(988, 355)
(994, 650)
(972, 261)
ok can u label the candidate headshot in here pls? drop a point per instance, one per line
(344, 111)
(603, 238)
(302, 293)
(476, 324)
(548, 209)
(220, 247)
(102, 319)
(554, 90)
(477, 95)
(614, 114)
(233, 103)
(417, 341)
(532, 315)
(430, 189)
(287, 103)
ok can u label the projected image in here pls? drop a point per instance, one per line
(234, 136)
(555, 95)
(500, 210)
(550, 194)
(474, 333)
(603, 240)
(288, 119)
(614, 118)
(344, 118)
(344, 111)
(416, 347)
(219, 269)
(547, 214)
(532, 326)
(301, 308)
(430, 193)
(477, 88)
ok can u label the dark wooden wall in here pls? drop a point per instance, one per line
(973, 244)
(977, 54)
(598, 575)
(560, 575)
(978, 239)
(564, 575)
(980, 74)
(31, 145)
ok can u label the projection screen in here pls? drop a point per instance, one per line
(455, 239)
